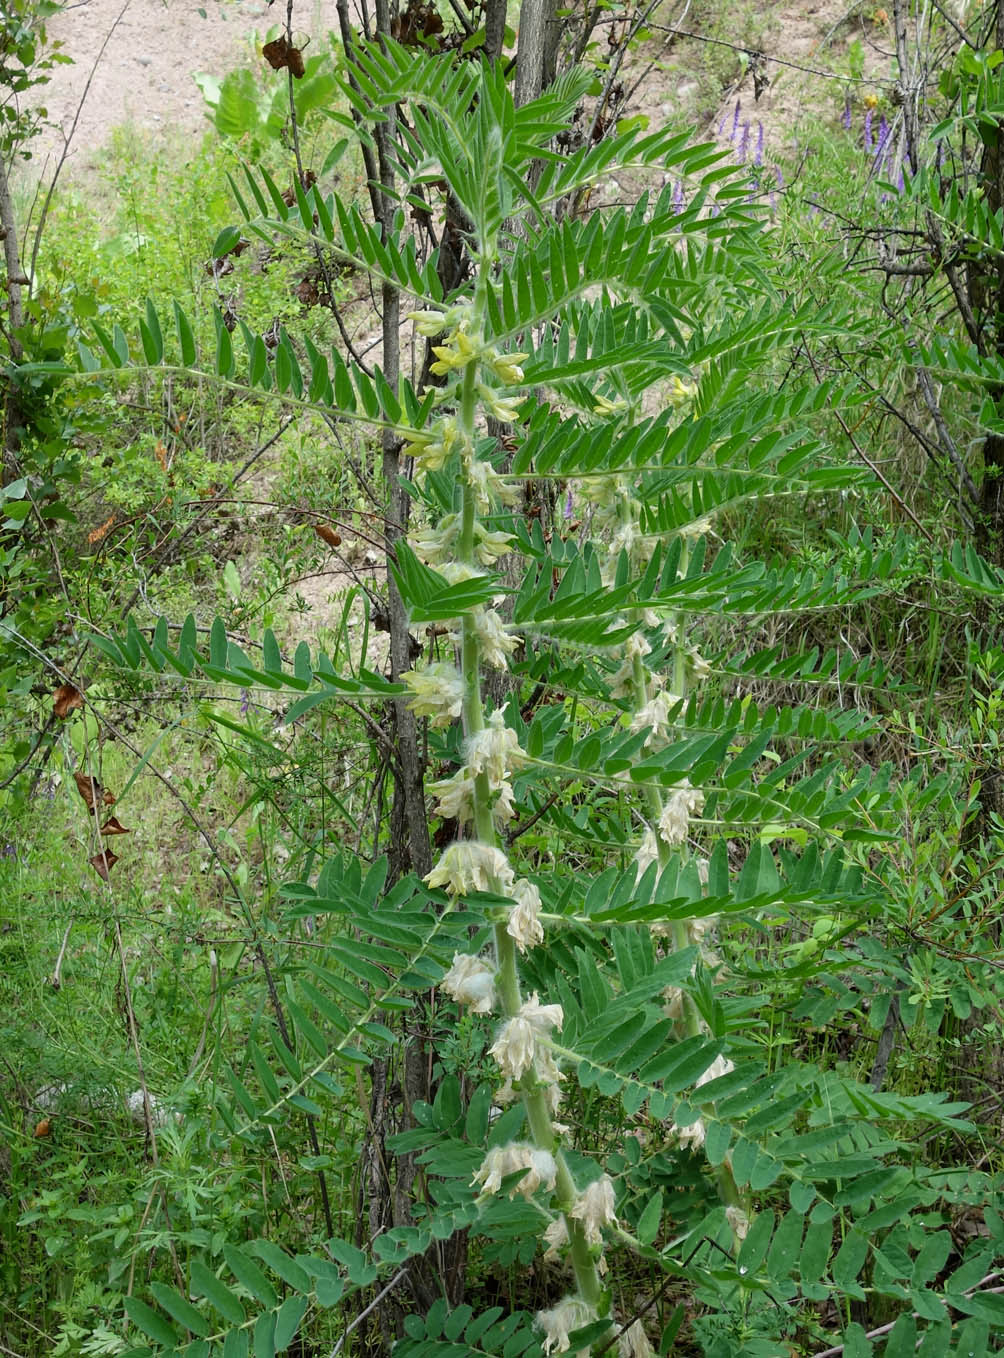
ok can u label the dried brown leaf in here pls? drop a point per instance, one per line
(327, 534)
(103, 862)
(113, 826)
(65, 699)
(280, 52)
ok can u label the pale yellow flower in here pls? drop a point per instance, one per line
(682, 803)
(470, 865)
(437, 692)
(494, 749)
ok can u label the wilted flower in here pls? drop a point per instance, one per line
(524, 923)
(572, 1313)
(471, 981)
(437, 692)
(633, 1343)
(595, 1209)
(472, 866)
(556, 1238)
(739, 1222)
(503, 1160)
(683, 802)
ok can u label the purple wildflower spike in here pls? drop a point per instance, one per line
(758, 150)
(880, 143)
(868, 130)
(845, 117)
(939, 155)
(780, 176)
(679, 201)
(245, 701)
(569, 502)
(744, 141)
(735, 123)
(900, 182)
(721, 124)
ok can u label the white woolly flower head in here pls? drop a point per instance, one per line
(595, 1208)
(540, 1167)
(494, 750)
(682, 803)
(437, 692)
(654, 716)
(739, 1222)
(471, 981)
(524, 923)
(518, 1040)
(470, 865)
(571, 1313)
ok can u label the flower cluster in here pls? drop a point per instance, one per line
(522, 1042)
(501, 1161)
